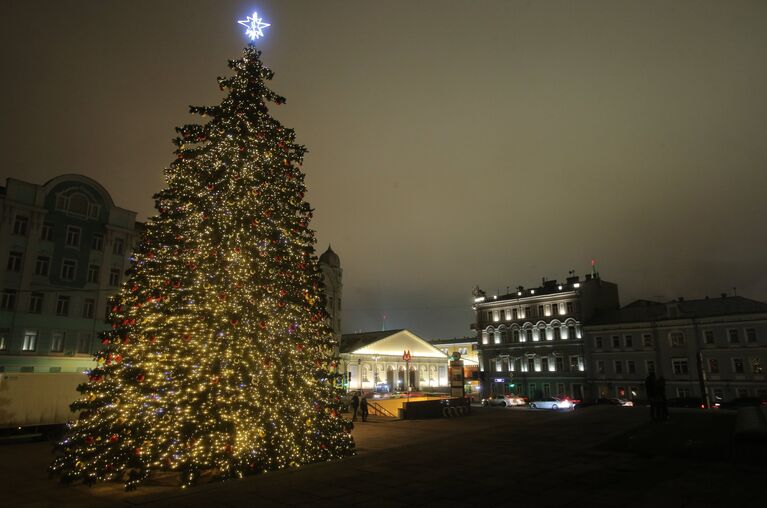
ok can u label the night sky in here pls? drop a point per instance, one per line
(450, 143)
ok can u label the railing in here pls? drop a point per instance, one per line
(376, 409)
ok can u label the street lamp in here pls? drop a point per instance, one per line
(359, 372)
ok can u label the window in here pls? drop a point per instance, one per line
(679, 366)
(14, 261)
(734, 336)
(20, 225)
(530, 364)
(557, 333)
(737, 365)
(97, 241)
(546, 390)
(8, 299)
(89, 308)
(118, 247)
(713, 366)
(559, 364)
(647, 340)
(485, 338)
(598, 342)
(513, 313)
(569, 307)
(57, 342)
(677, 339)
(616, 342)
(73, 236)
(540, 310)
(36, 303)
(62, 305)
(68, 269)
(46, 234)
(84, 343)
(529, 334)
(628, 341)
(650, 366)
(489, 315)
(708, 336)
(631, 367)
(571, 332)
(573, 364)
(93, 274)
(498, 365)
(756, 365)
(545, 363)
(600, 367)
(497, 337)
(42, 265)
(551, 309)
(618, 367)
(30, 340)
(560, 389)
(750, 335)
(114, 280)
(515, 335)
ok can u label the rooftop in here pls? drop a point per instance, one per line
(647, 310)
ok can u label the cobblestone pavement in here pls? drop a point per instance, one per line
(496, 455)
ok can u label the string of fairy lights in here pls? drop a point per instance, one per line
(219, 358)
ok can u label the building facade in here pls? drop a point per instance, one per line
(530, 341)
(713, 348)
(64, 249)
(392, 361)
(332, 275)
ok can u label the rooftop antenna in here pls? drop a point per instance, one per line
(383, 323)
(734, 291)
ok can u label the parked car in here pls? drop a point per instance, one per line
(495, 400)
(515, 400)
(552, 403)
(622, 402)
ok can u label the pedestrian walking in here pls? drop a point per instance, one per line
(650, 387)
(355, 406)
(364, 407)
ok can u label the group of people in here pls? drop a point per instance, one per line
(656, 392)
(359, 404)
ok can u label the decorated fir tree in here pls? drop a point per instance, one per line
(220, 357)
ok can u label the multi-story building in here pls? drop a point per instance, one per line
(530, 340)
(712, 348)
(332, 275)
(64, 248)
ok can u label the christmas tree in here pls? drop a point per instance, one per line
(220, 358)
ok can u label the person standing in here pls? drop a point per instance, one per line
(650, 388)
(364, 408)
(355, 406)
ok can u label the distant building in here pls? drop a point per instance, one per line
(467, 348)
(64, 249)
(332, 275)
(712, 348)
(531, 341)
(377, 361)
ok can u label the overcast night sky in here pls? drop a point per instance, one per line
(450, 143)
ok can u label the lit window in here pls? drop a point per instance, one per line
(30, 340)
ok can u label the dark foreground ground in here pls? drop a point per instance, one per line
(595, 457)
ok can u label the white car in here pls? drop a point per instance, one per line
(552, 403)
(515, 400)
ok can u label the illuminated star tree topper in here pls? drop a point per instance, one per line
(255, 26)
